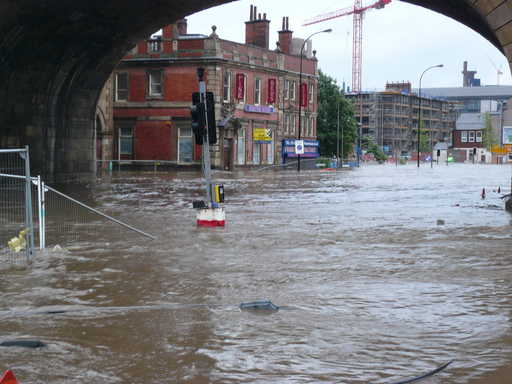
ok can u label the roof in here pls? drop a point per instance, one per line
(470, 121)
(488, 91)
(441, 146)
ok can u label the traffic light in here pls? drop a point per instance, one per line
(212, 124)
(197, 112)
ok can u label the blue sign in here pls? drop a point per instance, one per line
(258, 108)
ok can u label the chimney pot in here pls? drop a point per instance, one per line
(252, 10)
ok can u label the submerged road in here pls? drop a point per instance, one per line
(380, 273)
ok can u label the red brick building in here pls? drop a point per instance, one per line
(256, 96)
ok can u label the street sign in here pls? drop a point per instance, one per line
(299, 147)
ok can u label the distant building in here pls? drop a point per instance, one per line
(390, 117)
(256, 89)
(472, 105)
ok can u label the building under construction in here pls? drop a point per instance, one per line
(390, 118)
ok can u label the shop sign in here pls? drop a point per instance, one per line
(307, 143)
(310, 148)
(499, 150)
(268, 109)
(272, 91)
(262, 135)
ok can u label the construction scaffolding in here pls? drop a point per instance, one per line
(390, 118)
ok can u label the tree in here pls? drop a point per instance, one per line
(488, 137)
(424, 141)
(330, 96)
(368, 144)
(424, 138)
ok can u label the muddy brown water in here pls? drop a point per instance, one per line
(384, 273)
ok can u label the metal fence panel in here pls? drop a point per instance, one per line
(16, 224)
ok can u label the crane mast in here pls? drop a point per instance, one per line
(357, 49)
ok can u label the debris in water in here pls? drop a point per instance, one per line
(263, 305)
(429, 374)
(23, 343)
(440, 222)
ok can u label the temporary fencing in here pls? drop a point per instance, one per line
(59, 219)
(16, 222)
(67, 220)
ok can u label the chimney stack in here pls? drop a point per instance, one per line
(285, 36)
(182, 26)
(257, 29)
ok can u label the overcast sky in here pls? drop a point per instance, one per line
(399, 41)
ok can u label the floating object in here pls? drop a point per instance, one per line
(23, 344)
(19, 242)
(8, 378)
(426, 375)
(440, 222)
(499, 189)
(211, 217)
(263, 305)
(483, 193)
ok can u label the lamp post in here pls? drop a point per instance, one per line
(419, 110)
(300, 86)
(338, 138)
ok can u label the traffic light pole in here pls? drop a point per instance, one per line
(207, 165)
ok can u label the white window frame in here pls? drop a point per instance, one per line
(257, 91)
(127, 135)
(292, 90)
(188, 136)
(311, 93)
(227, 87)
(155, 45)
(464, 137)
(471, 137)
(152, 76)
(241, 145)
(286, 89)
(118, 90)
(256, 149)
(293, 124)
(478, 136)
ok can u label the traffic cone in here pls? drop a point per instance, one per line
(8, 378)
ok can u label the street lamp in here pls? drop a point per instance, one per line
(419, 110)
(300, 85)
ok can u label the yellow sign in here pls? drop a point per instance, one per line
(498, 150)
(262, 135)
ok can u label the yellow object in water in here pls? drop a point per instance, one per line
(19, 242)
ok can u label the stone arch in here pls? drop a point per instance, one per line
(56, 57)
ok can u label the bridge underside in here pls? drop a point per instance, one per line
(56, 56)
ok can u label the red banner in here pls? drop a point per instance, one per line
(303, 95)
(240, 86)
(271, 91)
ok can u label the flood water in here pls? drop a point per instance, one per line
(383, 273)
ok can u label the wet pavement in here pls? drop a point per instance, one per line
(381, 273)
